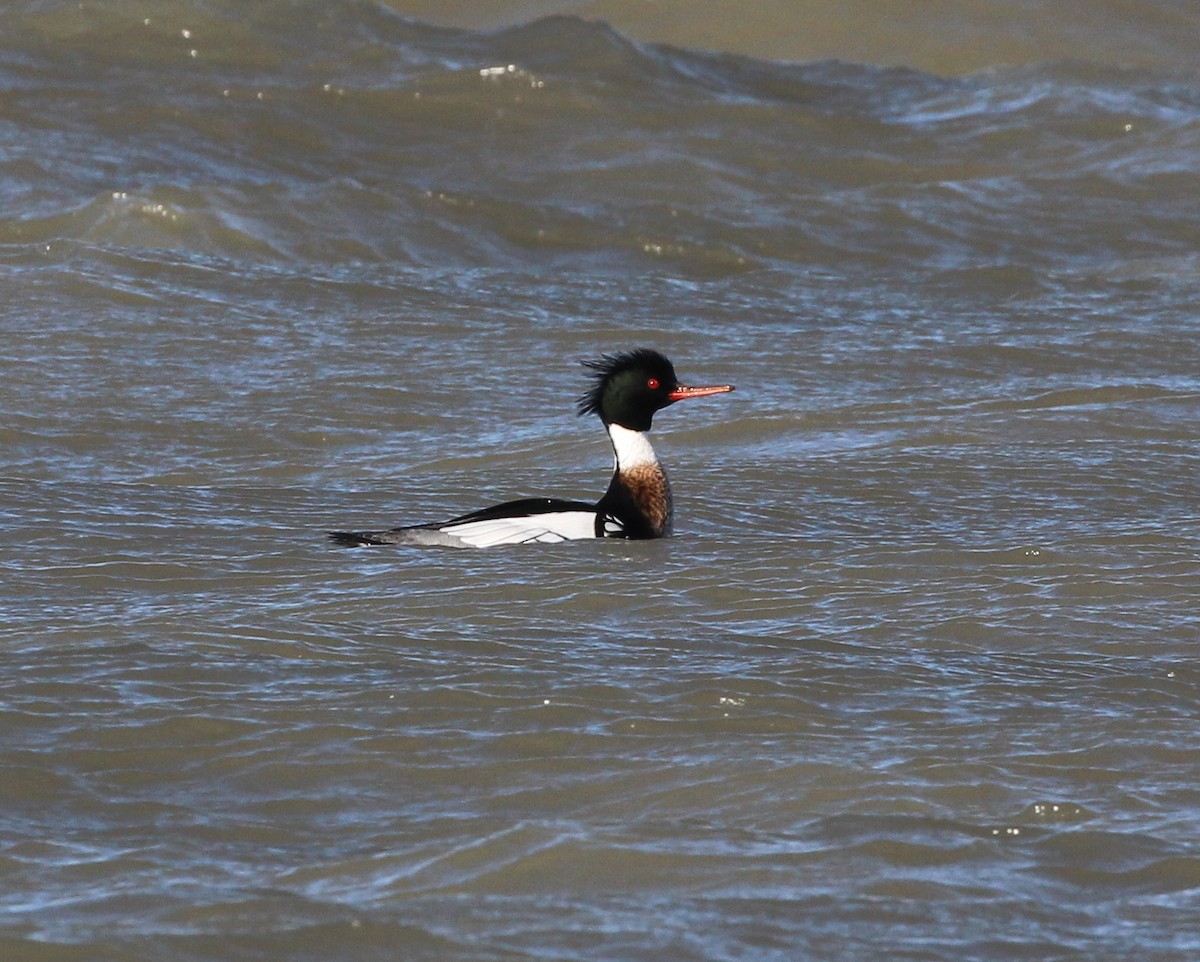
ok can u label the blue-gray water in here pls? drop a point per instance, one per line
(915, 679)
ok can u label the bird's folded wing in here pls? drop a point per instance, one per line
(545, 527)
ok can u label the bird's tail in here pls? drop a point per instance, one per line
(358, 539)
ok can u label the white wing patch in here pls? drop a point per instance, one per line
(547, 528)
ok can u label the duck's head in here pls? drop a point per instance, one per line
(630, 386)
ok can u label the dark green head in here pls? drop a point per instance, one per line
(630, 386)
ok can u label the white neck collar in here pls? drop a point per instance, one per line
(632, 448)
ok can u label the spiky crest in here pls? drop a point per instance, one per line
(607, 366)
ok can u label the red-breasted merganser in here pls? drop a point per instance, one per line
(630, 386)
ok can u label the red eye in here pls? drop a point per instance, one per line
(652, 384)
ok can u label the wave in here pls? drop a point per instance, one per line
(344, 133)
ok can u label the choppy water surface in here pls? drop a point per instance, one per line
(916, 677)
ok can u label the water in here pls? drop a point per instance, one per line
(914, 679)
